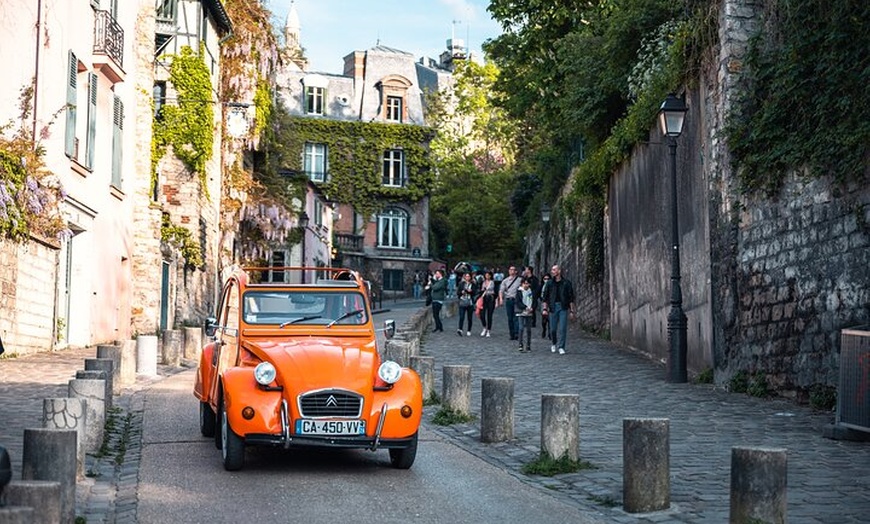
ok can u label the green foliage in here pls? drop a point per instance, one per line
(448, 417)
(547, 466)
(181, 238)
(433, 399)
(355, 151)
(753, 384)
(739, 382)
(187, 126)
(705, 377)
(823, 397)
(805, 105)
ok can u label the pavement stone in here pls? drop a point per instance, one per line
(828, 481)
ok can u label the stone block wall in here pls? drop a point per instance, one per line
(28, 273)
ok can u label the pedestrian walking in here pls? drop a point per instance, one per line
(545, 317)
(559, 303)
(529, 273)
(508, 296)
(467, 293)
(451, 285)
(526, 303)
(437, 287)
(487, 291)
(418, 284)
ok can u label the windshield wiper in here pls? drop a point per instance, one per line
(300, 319)
(348, 314)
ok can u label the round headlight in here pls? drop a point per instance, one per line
(264, 373)
(390, 372)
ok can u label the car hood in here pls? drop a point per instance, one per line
(317, 363)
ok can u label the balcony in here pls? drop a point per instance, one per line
(109, 47)
(349, 243)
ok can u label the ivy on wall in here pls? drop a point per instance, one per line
(181, 238)
(805, 104)
(355, 159)
(187, 126)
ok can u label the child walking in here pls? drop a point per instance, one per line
(526, 302)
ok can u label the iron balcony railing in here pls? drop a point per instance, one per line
(109, 38)
(349, 243)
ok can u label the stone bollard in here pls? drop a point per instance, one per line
(146, 355)
(425, 367)
(108, 366)
(127, 372)
(16, 515)
(96, 374)
(758, 485)
(172, 347)
(114, 354)
(42, 496)
(93, 391)
(497, 409)
(560, 426)
(456, 389)
(68, 413)
(50, 454)
(397, 351)
(646, 484)
(192, 343)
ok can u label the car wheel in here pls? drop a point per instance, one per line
(232, 445)
(403, 458)
(206, 420)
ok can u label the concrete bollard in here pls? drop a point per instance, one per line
(146, 355)
(560, 425)
(397, 351)
(114, 354)
(497, 409)
(758, 485)
(43, 496)
(50, 454)
(172, 347)
(456, 389)
(16, 515)
(192, 343)
(96, 374)
(646, 448)
(93, 391)
(68, 413)
(127, 372)
(425, 367)
(108, 366)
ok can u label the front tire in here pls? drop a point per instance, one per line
(207, 420)
(232, 445)
(403, 458)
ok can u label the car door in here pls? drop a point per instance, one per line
(227, 349)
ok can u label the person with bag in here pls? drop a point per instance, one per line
(507, 295)
(526, 304)
(487, 291)
(467, 292)
(437, 288)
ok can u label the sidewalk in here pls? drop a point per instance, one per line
(828, 481)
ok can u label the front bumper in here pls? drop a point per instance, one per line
(259, 439)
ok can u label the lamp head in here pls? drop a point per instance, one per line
(672, 114)
(303, 219)
(545, 213)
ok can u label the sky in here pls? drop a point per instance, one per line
(331, 29)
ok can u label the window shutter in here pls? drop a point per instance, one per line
(92, 121)
(117, 145)
(70, 138)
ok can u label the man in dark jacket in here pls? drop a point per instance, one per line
(559, 303)
(438, 287)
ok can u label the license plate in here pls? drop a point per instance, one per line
(330, 427)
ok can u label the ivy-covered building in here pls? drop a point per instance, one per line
(362, 137)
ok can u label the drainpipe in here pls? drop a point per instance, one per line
(36, 67)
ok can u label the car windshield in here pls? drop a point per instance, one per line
(286, 308)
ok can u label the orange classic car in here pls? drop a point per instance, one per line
(295, 363)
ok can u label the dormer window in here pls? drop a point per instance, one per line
(314, 94)
(394, 96)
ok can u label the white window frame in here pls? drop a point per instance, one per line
(393, 229)
(314, 100)
(393, 171)
(313, 152)
(394, 108)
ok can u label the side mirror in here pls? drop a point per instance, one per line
(389, 328)
(5, 470)
(210, 326)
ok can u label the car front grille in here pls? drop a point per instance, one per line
(330, 403)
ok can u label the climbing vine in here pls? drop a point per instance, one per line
(187, 126)
(29, 193)
(181, 238)
(805, 103)
(355, 159)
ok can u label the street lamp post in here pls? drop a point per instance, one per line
(671, 117)
(545, 218)
(303, 223)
